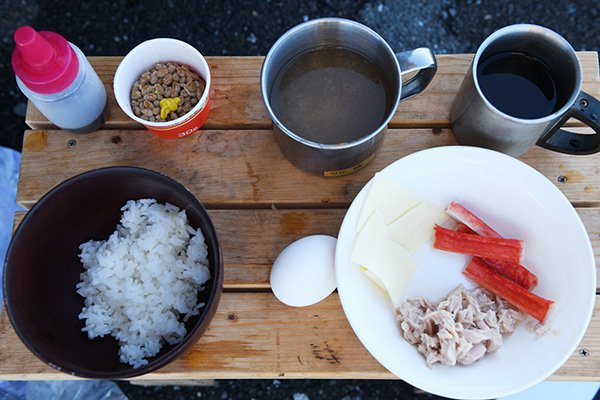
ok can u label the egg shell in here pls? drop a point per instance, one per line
(304, 272)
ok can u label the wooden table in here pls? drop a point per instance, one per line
(260, 203)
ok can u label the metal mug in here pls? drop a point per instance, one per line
(476, 122)
(342, 158)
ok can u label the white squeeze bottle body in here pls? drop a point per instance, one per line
(55, 75)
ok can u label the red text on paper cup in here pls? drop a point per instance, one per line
(184, 128)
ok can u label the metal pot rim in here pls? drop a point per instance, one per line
(327, 146)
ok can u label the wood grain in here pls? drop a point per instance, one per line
(259, 203)
(244, 168)
(235, 95)
(255, 336)
(252, 239)
(236, 102)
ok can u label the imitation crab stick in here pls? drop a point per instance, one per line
(460, 227)
(520, 298)
(461, 214)
(486, 247)
(467, 222)
(513, 272)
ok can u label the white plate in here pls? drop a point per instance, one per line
(518, 202)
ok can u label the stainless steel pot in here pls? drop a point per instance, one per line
(342, 158)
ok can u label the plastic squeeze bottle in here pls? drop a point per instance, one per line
(55, 75)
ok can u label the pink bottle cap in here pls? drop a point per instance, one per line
(44, 61)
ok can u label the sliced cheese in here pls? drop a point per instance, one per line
(391, 263)
(388, 197)
(415, 227)
(374, 278)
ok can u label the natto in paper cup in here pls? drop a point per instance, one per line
(141, 59)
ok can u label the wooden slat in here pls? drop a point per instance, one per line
(236, 101)
(173, 382)
(252, 239)
(255, 336)
(235, 96)
(245, 168)
(591, 220)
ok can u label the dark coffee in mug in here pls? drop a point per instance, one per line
(331, 95)
(520, 85)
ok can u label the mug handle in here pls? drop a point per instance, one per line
(585, 109)
(421, 60)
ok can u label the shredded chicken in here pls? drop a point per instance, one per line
(537, 328)
(460, 329)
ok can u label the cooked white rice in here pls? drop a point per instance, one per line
(139, 282)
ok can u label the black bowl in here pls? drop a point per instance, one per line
(42, 268)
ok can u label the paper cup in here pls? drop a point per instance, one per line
(142, 58)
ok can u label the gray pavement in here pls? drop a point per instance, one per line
(249, 28)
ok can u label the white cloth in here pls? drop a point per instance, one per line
(558, 391)
(10, 161)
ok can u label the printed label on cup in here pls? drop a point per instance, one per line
(352, 169)
(184, 128)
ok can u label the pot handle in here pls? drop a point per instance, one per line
(421, 60)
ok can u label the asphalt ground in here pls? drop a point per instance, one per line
(250, 28)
